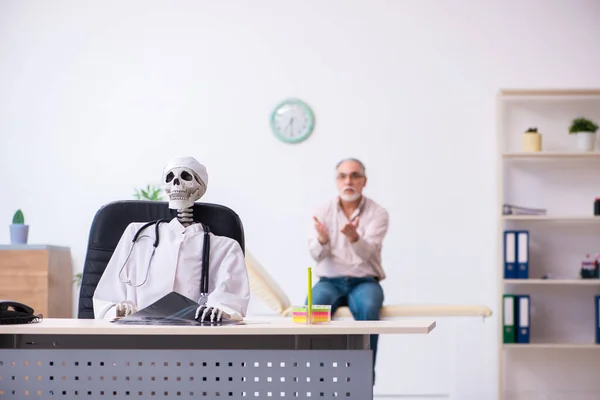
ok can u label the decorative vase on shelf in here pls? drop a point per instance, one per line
(531, 141)
(19, 232)
(585, 134)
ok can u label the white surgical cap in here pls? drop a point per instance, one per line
(191, 163)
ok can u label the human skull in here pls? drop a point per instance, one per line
(183, 186)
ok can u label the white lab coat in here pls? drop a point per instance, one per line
(176, 267)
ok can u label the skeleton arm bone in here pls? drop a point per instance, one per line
(211, 314)
(126, 308)
(110, 291)
(229, 278)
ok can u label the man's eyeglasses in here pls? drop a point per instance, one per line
(353, 176)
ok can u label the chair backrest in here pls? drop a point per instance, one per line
(111, 221)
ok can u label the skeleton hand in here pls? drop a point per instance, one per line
(212, 314)
(126, 308)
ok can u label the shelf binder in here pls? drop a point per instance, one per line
(516, 254)
(522, 254)
(597, 319)
(523, 305)
(508, 315)
(510, 254)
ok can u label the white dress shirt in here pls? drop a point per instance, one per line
(176, 267)
(339, 257)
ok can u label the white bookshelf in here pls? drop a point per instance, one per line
(550, 346)
(551, 155)
(556, 282)
(565, 182)
(550, 218)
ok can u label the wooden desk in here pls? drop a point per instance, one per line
(39, 276)
(71, 358)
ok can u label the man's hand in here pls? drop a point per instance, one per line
(321, 231)
(350, 230)
(210, 314)
(126, 308)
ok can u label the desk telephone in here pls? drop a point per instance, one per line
(13, 312)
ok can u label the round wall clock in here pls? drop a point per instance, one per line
(292, 121)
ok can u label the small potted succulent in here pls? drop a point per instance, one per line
(532, 140)
(585, 133)
(18, 230)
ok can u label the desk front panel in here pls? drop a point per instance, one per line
(197, 342)
(184, 373)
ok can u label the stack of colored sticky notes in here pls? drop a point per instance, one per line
(320, 314)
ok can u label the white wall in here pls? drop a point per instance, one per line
(96, 96)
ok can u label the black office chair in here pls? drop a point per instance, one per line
(111, 221)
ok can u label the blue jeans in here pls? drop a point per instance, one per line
(364, 297)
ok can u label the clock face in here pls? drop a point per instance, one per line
(292, 121)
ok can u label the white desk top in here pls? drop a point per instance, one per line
(251, 327)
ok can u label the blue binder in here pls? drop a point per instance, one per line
(522, 254)
(523, 317)
(597, 325)
(510, 255)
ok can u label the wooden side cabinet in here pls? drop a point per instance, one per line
(39, 276)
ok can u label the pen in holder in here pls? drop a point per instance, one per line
(309, 305)
(311, 313)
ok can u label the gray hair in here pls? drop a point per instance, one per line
(362, 166)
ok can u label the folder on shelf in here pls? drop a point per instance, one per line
(512, 209)
(522, 254)
(510, 255)
(523, 319)
(597, 319)
(508, 318)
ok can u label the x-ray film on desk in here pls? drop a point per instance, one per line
(172, 309)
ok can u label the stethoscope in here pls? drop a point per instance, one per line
(205, 257)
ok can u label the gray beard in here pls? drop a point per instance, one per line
(350, 197)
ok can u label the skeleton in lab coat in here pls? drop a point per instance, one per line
(140, 273)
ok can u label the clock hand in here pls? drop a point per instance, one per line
(289, 126)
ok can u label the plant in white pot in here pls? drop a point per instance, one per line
(532, 140)
(585, 131)
(18, 230)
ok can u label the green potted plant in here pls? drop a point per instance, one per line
(585, 133)
(150, 193)
(18, 230)
(77, 278)
(532, 140)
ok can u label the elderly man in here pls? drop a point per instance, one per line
(346, 244)
(170, 257)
